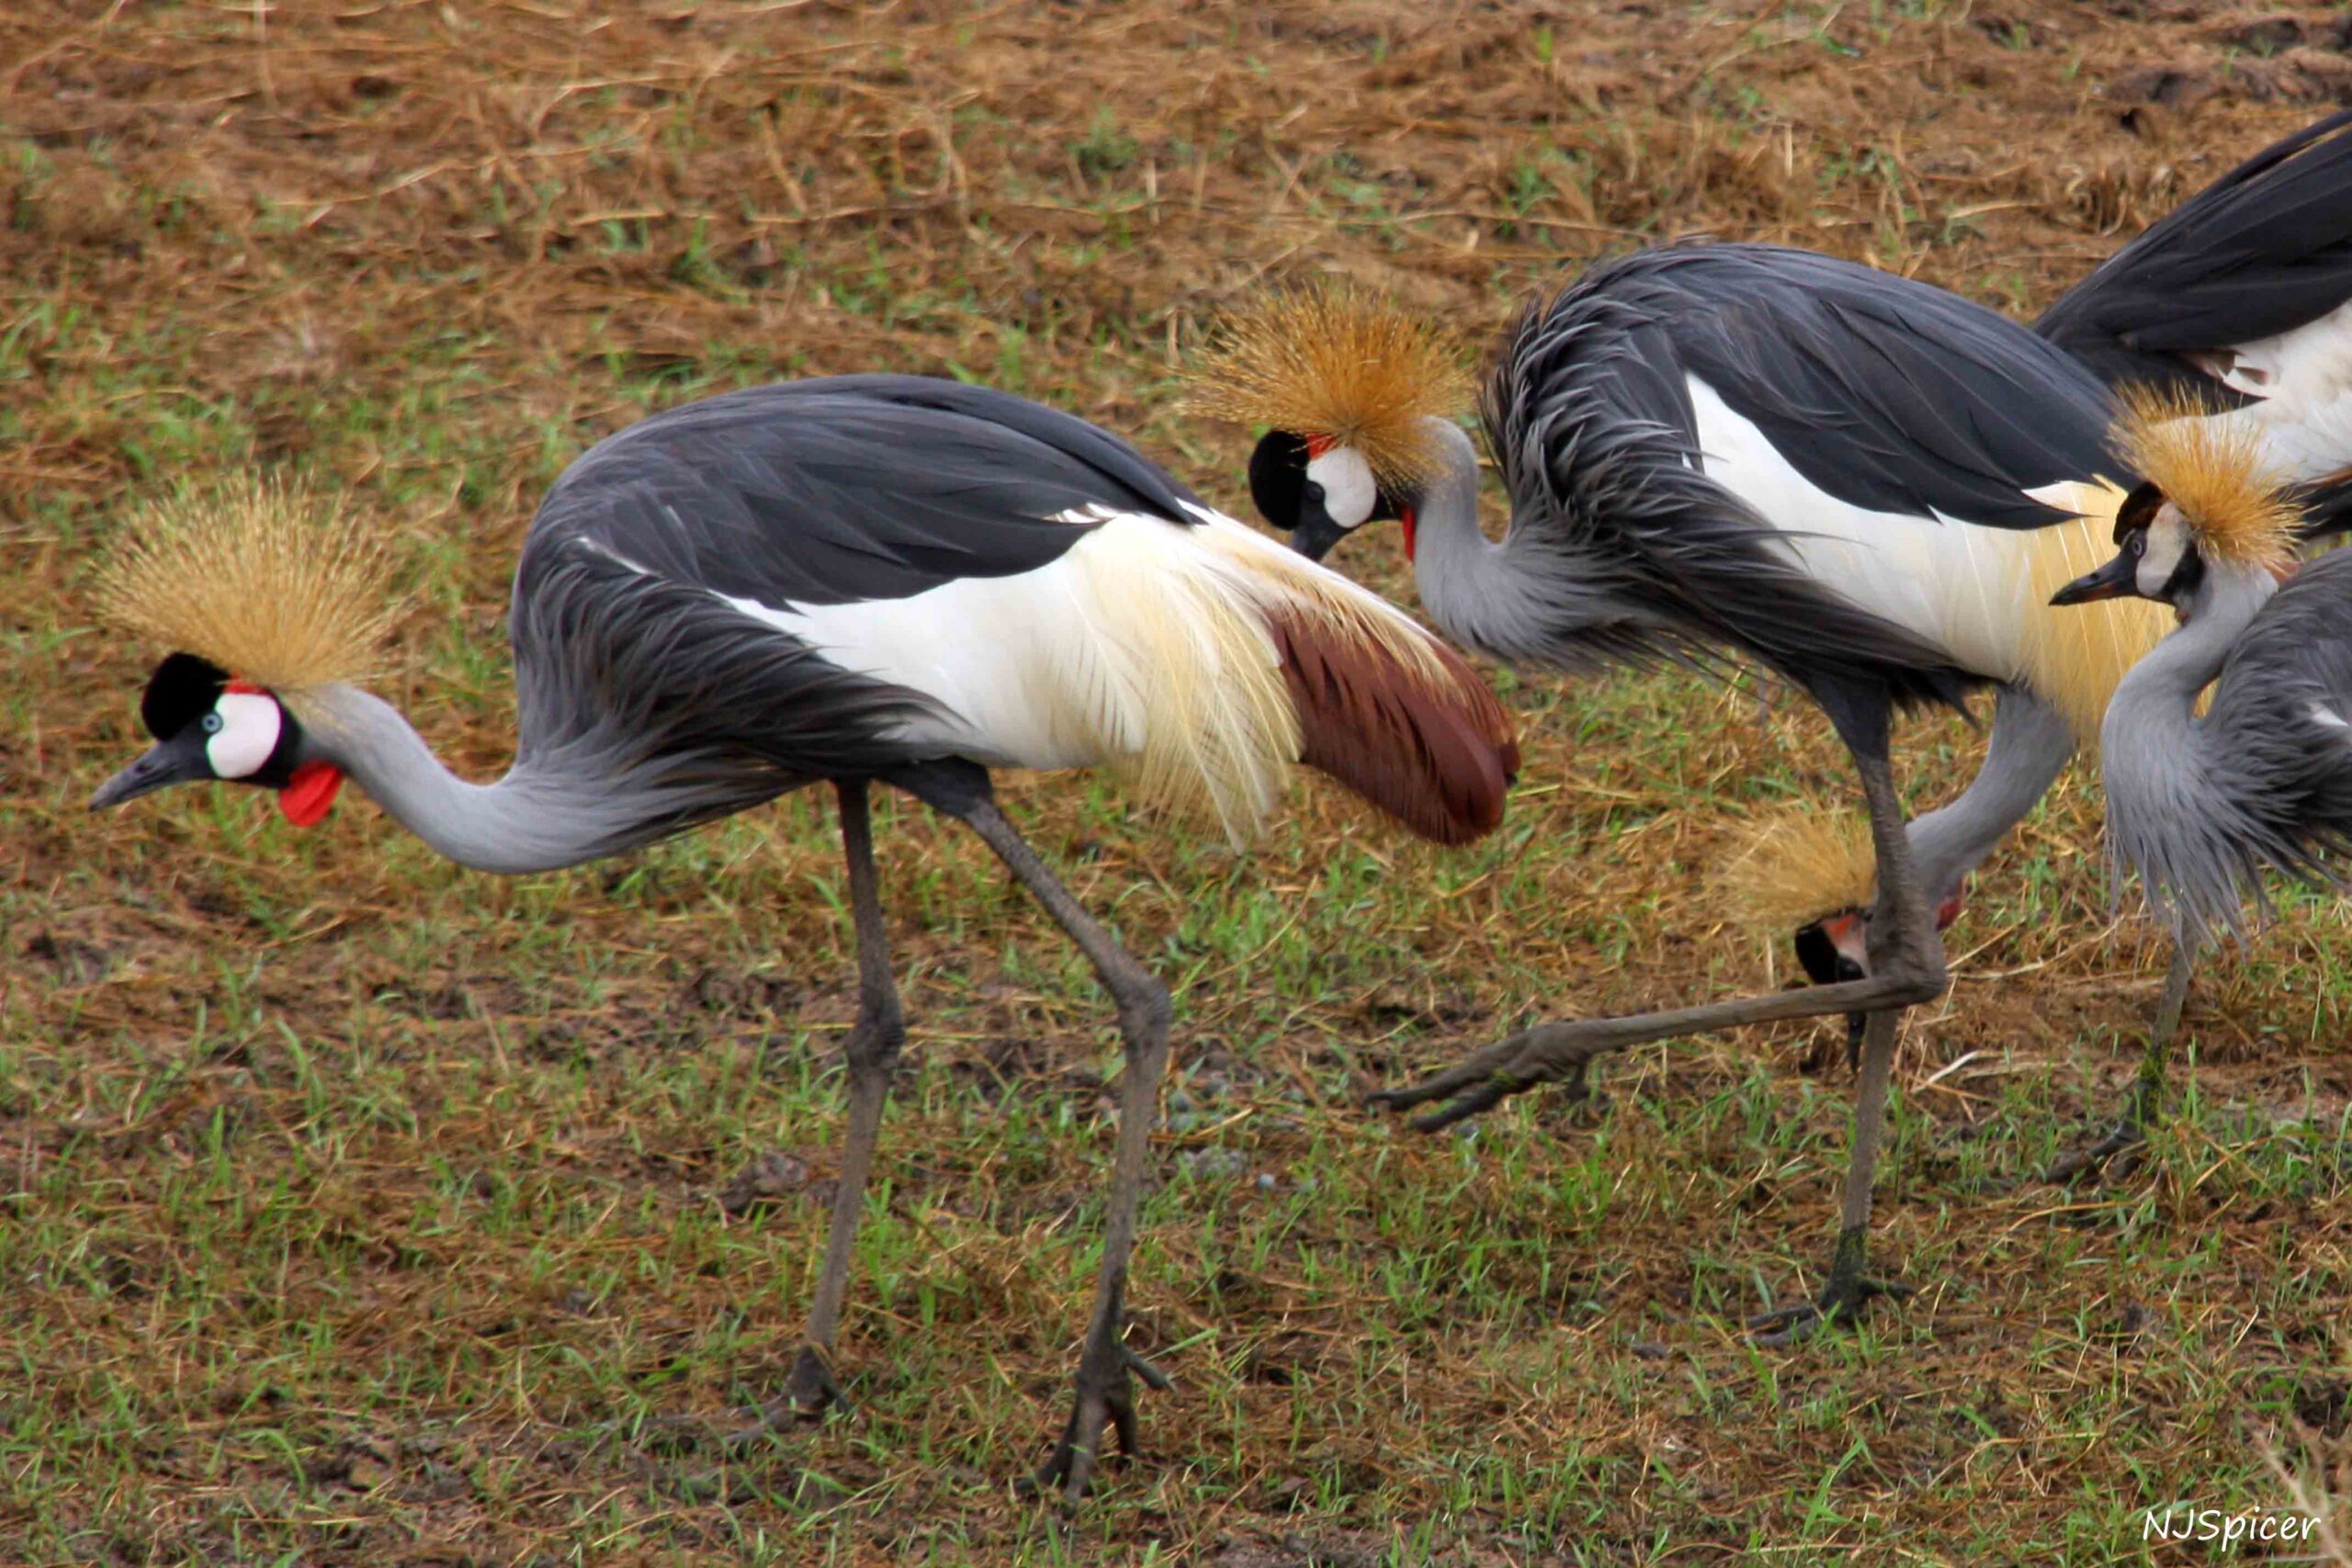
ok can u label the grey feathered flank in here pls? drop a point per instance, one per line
(631, 666)
(1885, 393)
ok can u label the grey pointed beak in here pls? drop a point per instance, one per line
(162, 767)
(2111, 581)
(1315, 534)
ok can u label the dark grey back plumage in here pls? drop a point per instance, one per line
(630, 663)
(1886, 393)
(2263, 250)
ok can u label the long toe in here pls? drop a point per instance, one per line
(1072, 1466)
(1789, 1325)
(1105, 1398)
(2119, 1143)
(1783, 1327)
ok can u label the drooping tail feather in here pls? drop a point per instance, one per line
(1437, 757)
(1384, 706)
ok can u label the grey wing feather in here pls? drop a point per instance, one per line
(847, 489)
(1885, 393)
(2263, 250)
(2281, 718)
(825, 491)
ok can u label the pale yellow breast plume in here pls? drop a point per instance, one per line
(2072, 657)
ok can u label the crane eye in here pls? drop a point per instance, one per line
(211, 724)
(2136, 545)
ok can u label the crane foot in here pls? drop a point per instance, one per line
(809, 1391)
(1106, 1397)
(1842, 1302)
(2120, 1143)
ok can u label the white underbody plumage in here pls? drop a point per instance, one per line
(1979, 593)
(1145, 646)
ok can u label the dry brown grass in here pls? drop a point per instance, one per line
(353, 1196)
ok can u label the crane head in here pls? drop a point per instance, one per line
(1319, 492)
(207, 726)
(1343, 382)
(272, 593)
(2206, 498)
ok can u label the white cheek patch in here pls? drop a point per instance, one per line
(2167, 542)
(248, 734)
(1349, 493)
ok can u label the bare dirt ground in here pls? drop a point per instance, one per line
(360, 1211)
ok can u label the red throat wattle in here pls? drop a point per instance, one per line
(309, 793)
(1405, 515)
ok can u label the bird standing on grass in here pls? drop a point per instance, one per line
(2238, 303)
(2203, 807)
(863, 580)
(1866, 485)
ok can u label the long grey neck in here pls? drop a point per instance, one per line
(2158, 695)
(528, 820)
(2170, 805)
(2029, 745)
(1482, 593)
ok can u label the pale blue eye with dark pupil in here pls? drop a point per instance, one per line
(212, 724)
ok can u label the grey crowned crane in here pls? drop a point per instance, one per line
(1864, 484)
(2237, 303)
(2203, 807)
(862, 581)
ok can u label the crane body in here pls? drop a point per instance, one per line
(859, 581)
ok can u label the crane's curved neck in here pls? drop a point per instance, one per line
(1509, 600)
(2166, 811)
(1465, 584)
(2161, 688)
(532, 819)
(2029, 745)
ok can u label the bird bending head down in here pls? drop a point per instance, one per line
(265, 594)
(1814, 873)
(1343, 383)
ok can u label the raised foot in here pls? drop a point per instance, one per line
(1840, 1303)
(2120, 1143)
(1106, 1397)
(809, 1391)
(1474, 1086)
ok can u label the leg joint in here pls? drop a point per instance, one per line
(1146, 1008)
(877, 1037)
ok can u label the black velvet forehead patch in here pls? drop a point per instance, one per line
(2137, 509)
(1278, 477)
(181, 691)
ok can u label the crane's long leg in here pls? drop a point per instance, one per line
(1907, 965)
(1902, 933)
(872, 1053)
(2146, 1097)
(1106, 1389)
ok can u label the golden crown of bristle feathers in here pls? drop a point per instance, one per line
(1327, 359)
(266, 578)
(1801, 866)
(2212, 470)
